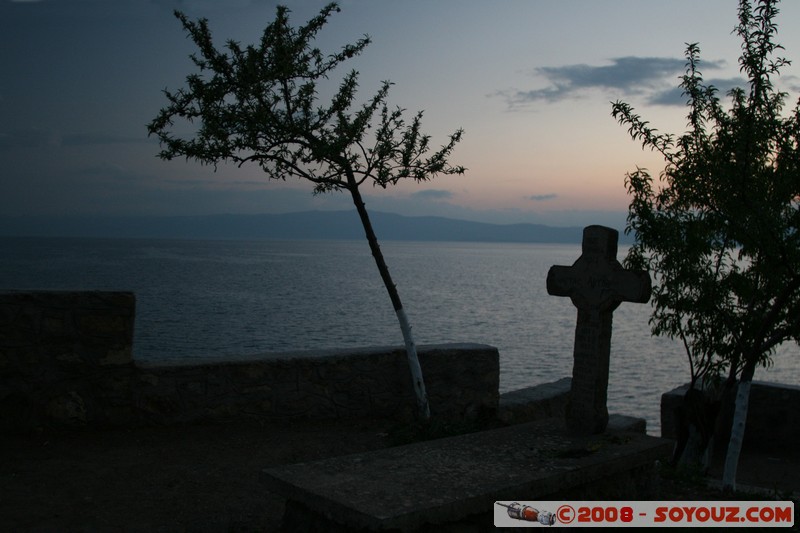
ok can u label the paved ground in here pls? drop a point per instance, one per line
(197, 478)
(206, 477)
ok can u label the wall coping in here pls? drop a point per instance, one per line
(292, 355)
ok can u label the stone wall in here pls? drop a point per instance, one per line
(773, 415)
(65, 357)
(66, 360)
(461, 380)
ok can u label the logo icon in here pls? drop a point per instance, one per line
(518, 511)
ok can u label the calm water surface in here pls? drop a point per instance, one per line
(198, 299)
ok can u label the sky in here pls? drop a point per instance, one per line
(531, 83)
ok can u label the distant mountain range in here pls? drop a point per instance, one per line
(342, 225)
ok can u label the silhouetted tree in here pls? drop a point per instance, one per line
(259, 104)
(721, 228)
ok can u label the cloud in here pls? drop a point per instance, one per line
(432, 194)
(792, 82)
(671, 96)
(627, 75)
(542, 197)
(674, 96)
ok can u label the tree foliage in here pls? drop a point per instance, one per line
(720, 228)
(259, 104)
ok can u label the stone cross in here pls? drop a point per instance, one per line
(596, 283)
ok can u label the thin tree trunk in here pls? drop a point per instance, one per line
(737, 427)
(423, 408)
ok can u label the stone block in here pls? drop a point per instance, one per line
(773, 416)
(60, 365)
(548, 400)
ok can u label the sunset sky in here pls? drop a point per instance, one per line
(529, 81)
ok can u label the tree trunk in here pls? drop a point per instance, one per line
(423, 408)
(737, 427)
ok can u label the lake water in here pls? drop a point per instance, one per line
(198, 299)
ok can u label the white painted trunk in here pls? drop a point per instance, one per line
(737, 435)
(413, 364)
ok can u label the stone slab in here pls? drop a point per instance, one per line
(444, 480)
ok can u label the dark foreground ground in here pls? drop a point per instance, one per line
(206, 477)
